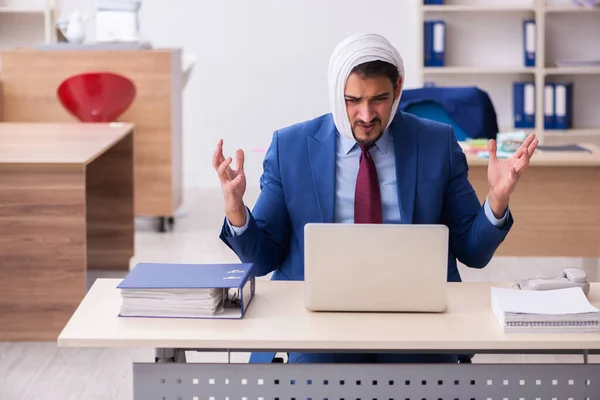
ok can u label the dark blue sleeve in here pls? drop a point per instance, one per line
(473, 238)
(265, 242)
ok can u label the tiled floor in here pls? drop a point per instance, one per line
(42, 371)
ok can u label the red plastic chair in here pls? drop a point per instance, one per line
(96, 96)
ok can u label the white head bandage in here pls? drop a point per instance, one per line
(352, 51)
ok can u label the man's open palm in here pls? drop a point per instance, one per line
(233, 182)
(503, 175)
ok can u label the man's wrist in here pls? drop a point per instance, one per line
(237, 218)
(498, 203)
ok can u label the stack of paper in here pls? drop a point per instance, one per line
(570, 147)
(545, 311)
(187, 290)
(474, 145)
(507, 144)
(171, 302)
(577, 63)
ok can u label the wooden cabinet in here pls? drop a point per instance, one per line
(29, 81)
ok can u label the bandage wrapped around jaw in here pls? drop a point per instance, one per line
(352, 51)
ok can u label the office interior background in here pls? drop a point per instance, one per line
(251, 67)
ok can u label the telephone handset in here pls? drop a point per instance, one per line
(570, 277)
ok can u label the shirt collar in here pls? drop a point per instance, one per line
(383, 143)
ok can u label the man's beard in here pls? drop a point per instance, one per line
(373, 137)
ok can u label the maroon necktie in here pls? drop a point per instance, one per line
(367, 199)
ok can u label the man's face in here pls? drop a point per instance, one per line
(369, 104)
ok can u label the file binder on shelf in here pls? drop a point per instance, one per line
(427, 43)
(524, 105)
(439, 43)
(549, 106)
(434, 43)
(434, 2)
(563, 105)
(529, 42)
(162, 290)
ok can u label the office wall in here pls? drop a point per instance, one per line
(261, 65)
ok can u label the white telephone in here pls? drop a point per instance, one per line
(570, 277)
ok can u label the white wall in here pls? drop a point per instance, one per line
(262, 64)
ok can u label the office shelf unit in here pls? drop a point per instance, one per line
(484, 47)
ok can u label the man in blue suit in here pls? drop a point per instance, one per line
(366, 162)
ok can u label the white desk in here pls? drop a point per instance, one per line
(277, 321)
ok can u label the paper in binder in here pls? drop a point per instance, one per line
(549, 106)
(162, 290)
(529, 42)
(524, 105)
(577, 62)
(563, 98)
(544, 311)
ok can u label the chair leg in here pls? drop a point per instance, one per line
(164, 222)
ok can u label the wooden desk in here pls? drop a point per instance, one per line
(66, 204)
(277, 320)
(29, 82)
(556, 205)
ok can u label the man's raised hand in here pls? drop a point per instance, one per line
(233, 183)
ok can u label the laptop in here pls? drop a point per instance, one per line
(375, 267)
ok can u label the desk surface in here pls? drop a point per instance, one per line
(277, 320)
(57, 143)
(554, 158)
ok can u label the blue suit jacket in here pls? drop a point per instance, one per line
(298, 187)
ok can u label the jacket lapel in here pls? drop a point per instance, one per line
(405, 151)
(321, 151)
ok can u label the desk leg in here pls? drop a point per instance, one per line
(109, 201)
(162, 356)
(42, 237)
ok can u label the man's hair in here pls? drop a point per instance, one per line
(377, 68)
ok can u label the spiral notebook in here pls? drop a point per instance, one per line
(544, 311)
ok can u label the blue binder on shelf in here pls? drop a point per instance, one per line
(524, 105)
(439, 43)
(563, 105)
(549, 108)
(184, 289)
(434, 41)
(529, 42)
(433, 2)
(428, 43)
